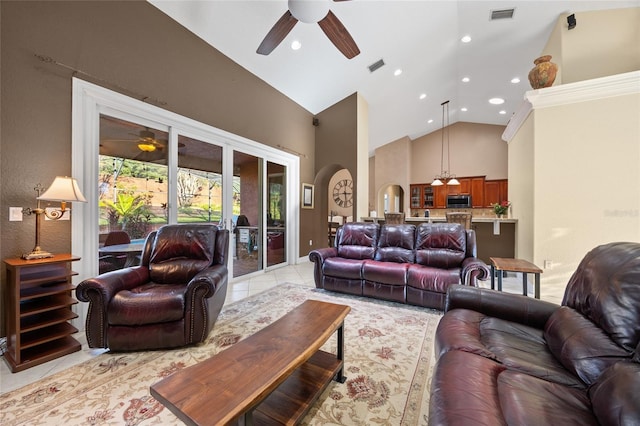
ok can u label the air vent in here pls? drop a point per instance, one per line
(502, 14)
(376, 65)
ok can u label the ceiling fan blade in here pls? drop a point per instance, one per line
(339, 35)
(279, 31)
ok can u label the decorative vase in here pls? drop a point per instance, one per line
(544, 73)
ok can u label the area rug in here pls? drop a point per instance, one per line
(388, 363)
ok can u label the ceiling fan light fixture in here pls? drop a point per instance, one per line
(146, 146)
(309, 11)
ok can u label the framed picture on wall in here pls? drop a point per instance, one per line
(307, 196)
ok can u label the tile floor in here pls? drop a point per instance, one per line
(239, 289)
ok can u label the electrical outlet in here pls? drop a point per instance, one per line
(310, 242)
(548, 264)
(15, 214)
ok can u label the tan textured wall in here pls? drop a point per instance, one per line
(336, 149)
(159, 61)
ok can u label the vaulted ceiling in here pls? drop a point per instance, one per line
(422, 38)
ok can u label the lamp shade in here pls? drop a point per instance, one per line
(436, 182)
(453, 181)
(63, 188)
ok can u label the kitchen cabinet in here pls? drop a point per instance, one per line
(477, 191)
(37, 306)
(495, 191)
(415, 197)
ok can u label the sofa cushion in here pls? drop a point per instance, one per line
(395, 244)
(147, 304)
(357, 240)
(526, 400)
(432, 279)
(606, 289)
(581, 346)
(517, 346)
(616, 394)
(440, 245)
(385, 272)
(343, 268)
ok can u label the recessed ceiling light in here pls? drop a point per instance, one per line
(397, 72)
(463, 109)
(496, 101)
(466, 79)
(503, 112)
(295, 45)
(466, 39)
(423, 95)
(515, 80)
(430, 121)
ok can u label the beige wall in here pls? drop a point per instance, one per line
(578, 152)
(390, 166)
(476, 150)
(586, 180)
(603, 43)
(521, 187)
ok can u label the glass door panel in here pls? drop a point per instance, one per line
(248, 214)
(199, 181)
(132, 194)
(276, 214)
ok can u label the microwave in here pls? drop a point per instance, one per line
(461, 201)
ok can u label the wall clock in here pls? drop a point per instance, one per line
(343, 193)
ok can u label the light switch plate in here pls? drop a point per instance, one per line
(15, 214)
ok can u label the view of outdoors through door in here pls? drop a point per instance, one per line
(132, 194)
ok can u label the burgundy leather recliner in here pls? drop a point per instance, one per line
(172, 299)
(507, 359)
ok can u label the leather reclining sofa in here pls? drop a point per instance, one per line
(402, 263)
(506, 359)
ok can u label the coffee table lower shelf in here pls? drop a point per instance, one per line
(293, 399)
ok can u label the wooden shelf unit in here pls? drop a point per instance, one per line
(37, 305)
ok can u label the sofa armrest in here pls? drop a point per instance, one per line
(506, 306)
(209, 279)
(99, 291)
(317, 257)
(474, 269)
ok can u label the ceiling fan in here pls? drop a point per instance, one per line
(310, 11)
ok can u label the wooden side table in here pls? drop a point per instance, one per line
(37, 310)
(500, 264)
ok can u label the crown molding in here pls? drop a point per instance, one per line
(565, 94)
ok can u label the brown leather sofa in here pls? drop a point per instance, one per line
(172, 299)
(403, 263)
(506, 359)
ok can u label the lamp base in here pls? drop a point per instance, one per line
(39, 254)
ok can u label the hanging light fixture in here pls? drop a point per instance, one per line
(445, 177)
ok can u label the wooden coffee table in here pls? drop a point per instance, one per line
(271, 377)
(516, 265)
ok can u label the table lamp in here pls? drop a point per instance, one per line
(63, 189)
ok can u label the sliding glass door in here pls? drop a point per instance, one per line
(141, 167)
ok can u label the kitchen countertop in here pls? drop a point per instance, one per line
(474, 219)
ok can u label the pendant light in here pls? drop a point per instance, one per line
(445, 177)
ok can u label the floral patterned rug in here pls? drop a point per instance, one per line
(388, 363)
